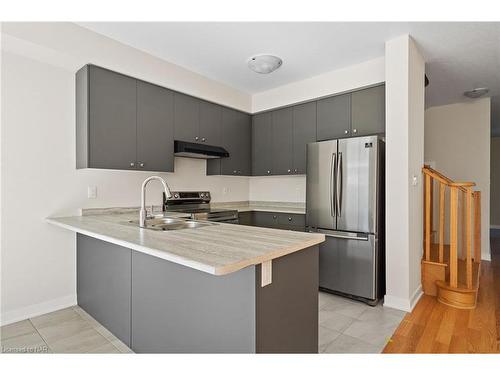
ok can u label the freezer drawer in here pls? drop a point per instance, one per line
(349, 265)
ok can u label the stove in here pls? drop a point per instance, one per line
(197, 205)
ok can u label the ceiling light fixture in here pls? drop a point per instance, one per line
(264, 64)
(476, 93)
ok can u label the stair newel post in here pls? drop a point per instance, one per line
(427, 217)
(441, 221)
(468, 235)
(477, 226)
(453, 236)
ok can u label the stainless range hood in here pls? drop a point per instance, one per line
(199, 151)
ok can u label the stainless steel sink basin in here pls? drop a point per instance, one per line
(167, 223)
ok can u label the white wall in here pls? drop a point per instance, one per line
(457, 142)
(404, 87)
(367, 73)
(278, 189)
(38, 173)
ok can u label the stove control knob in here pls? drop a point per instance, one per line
(202, 195)
(176, 196)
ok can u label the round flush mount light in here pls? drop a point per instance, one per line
(264, 64)
(476, 93)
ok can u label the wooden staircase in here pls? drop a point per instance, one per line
(452, 251)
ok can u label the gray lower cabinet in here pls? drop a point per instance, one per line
(262, 144)
(103, 284)
(368, 111)
(276, 220)
(304, 132)
(106, 110)
(156, 306)
(176, 309)
(333, 117)
(282, 136)
(155, 119)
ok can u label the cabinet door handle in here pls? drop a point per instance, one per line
(354, 131)
(268, 172)
(346, 131)
(141, 165)
(203, 139)
(196, 138)
(296, 170)
(289, 219)
(235, 171)
(289, 170)
(132, 164)
(275, 217)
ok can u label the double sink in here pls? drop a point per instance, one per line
(167, 223)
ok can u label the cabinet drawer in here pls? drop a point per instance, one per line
(265, 219)
(291, 219)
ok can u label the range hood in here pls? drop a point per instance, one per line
(199, 151)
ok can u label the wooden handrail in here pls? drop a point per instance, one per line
(464, 209)
(445, 180)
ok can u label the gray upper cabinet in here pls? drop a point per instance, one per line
(210, 123)
(155, 119)
(106, 119)
(334, 117)
(122, 123)
(304, 132)
(262, 144)
(186, 118)
(236, 131)
(282, 141)
(368, 111)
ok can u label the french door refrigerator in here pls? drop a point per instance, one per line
(345, 201)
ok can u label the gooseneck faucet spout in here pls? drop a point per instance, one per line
(142, 213)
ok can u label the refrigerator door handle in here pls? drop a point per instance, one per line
(339, 182)
(333, 185)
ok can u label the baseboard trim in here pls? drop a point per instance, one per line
(403, 304)
(31, 311)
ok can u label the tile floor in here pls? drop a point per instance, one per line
(345, 326)
(70, 330)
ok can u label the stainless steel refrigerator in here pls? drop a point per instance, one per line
(345, 201)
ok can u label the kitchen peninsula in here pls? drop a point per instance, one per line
(216, 288)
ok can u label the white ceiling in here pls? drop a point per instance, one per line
(459, 56)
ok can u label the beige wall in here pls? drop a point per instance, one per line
(495, 182)
(457, 143)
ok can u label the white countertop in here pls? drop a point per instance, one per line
(216, 249)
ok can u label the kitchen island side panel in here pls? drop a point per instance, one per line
(104, 284)
(287, 309)
(176, 309)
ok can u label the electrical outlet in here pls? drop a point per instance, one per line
(92, 192)
(414, 181)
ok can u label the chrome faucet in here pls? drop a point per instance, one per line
(143, 213)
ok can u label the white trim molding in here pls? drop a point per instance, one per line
(403, 304)
(31, 311)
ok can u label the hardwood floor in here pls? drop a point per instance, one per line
(435, 328)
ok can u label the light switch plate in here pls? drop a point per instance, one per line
(414, 181)
(92, 192)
